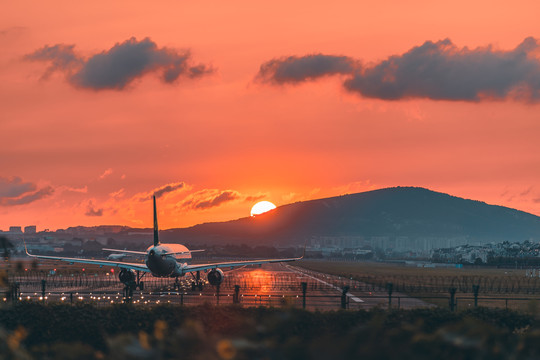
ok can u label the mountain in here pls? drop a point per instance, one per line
(401, 217)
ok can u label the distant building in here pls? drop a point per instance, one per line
(15, 229)
(30, 229)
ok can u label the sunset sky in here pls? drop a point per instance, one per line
(215, 105)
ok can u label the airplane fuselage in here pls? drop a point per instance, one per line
(167, 260)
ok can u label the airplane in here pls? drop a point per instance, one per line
(116, 256)
(164, 260)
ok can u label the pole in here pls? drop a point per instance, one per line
(304, 290)
(236, 296)
(389, 287)
(475, 289)
(452, 298)
(43, 286)
(344, 292)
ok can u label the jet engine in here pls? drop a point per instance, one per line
(215, 277)
(127, 277)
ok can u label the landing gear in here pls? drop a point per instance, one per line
(176, 284)
(197, 284)
(140, 284)
(132, 282)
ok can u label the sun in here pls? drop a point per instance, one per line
(262, 207)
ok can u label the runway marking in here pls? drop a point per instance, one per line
(354, 298)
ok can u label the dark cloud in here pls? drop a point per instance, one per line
(168, 188)
(92, 211)
(435, 70)
(14, 187)
(207, 199)
(295, 69)
(27, 198)
(119, 66)
(13, 191)
(60, 57)
(441, 71)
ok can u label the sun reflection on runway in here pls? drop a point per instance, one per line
(259, 280)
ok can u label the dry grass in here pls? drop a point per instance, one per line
(510, 287)
(388, 269)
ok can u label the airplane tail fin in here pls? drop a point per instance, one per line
(156, 235)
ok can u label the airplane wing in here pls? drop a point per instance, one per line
(233, 264)
(126, 251)
(120, 264)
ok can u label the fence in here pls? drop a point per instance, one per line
(277, 289)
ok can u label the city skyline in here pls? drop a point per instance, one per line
(214, 107)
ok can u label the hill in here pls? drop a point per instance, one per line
(401, 218)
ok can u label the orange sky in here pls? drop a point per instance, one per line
(77, 153)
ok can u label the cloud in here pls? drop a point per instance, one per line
(14, 187)
(12, 30)
(82, 190)
(442, 71)
(255, 197)
(118, 194)
(107, 172)
(60, 57)
(119, 66)
(206, 199)
(13, 191)
(92, 211)
(527, 191)
(295, 69)
(168, 188)
(434, 70)
(162, 190)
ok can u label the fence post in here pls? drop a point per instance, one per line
(43, 286)
(452, 298)
(304, 289)
(15, 292)
(475, 289)
(236, 296)
(389, 287)
(344, 297)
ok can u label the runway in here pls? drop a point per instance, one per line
(277, 285)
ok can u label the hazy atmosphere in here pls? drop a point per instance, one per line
(214, 106)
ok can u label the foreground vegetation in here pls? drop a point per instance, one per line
(36, 331)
